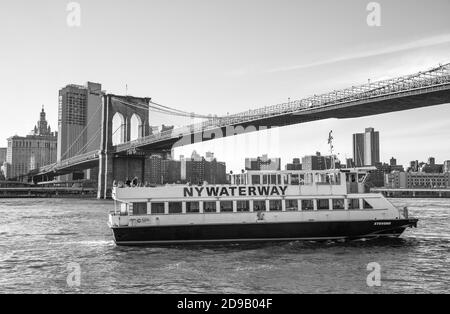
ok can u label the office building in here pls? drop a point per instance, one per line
(263, 163)
(3, 151)
(319, 162)
(295, 165)
(366, 148)
(446, 166)
(32, 151)
(196, 169)
(412, 180)
(79, 118)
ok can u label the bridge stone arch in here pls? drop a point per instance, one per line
(118, 129)
(127, 107)
(123, 109)
(136, 127)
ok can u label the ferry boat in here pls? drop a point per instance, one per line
(257, 206)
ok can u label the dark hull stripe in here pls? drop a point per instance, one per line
(260, 232)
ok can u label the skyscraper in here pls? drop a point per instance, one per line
(366, 148)
(263, 163)
(79, 118)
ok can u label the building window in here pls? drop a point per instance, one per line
(243, 206)
(275, 205)
(353, 203)
(157, 208)
(307, 205)
(226, 206)
(175, 207)
(139, 208)
(209, 207)
(259, 206)
(291, 205)
(192, 207)
(338, 204)
(323, 204)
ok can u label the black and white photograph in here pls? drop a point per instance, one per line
(224, 153)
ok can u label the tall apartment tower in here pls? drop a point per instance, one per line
(366, 148)
(79, 119)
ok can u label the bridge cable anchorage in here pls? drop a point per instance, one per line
(82, 132)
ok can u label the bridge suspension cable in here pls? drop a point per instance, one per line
(82, 132)
(168, 110)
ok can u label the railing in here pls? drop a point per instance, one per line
(69, 161)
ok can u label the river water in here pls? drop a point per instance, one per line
(41, 238)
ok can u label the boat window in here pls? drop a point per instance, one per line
(279, 179)
(273, 179)
(209, 207)
(361, 177)
(367, 205)
(286, 179)
(335, 178)
(338, 204)
(124, 209)
(256, 179)
(294, 179)
(192, 207)
(291, 205)
(259, 206)
(243, 206)
(139, 208)
(309, 178)
(265, 179)
(307, 205)
(226, 206)
(323, 204)
(275, 205)
(157, 208)
(175, 207)
(353, 203)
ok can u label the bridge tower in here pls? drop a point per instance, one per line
(118, 115)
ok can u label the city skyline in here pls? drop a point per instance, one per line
(206, 73)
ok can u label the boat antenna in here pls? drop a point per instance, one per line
(330, 142)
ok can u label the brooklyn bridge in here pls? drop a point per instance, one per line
(121, 152)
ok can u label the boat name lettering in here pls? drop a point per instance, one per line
(217, 191)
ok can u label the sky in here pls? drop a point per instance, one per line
(219, 57)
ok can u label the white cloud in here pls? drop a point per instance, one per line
(421, 43)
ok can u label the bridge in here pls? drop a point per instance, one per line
(422, 89)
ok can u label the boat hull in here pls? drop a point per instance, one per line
(260, 232)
